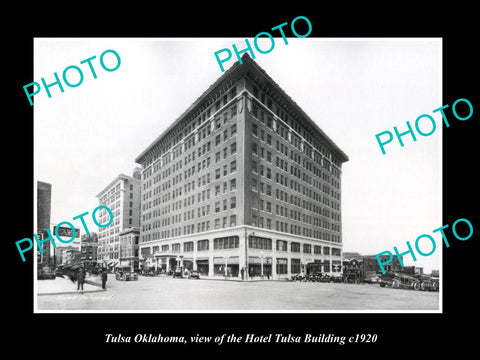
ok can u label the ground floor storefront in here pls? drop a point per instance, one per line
(242, 253)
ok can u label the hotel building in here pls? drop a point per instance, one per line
(244, 183)
(122, 196)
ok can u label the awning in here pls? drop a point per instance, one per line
(258, 260)
(233, 260)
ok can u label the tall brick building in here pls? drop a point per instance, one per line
(244, 179)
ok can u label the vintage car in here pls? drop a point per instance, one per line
(194, 274)
(125, 274)
(352, 277)
(399, 280)
(370, 279)
(46, 273)
(178, 272)
(426, 282)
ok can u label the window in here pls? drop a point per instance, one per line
(231, 242)
(307, 248)
(233, 166)
(295, 247)
(281, 245)
(255, 130)
(282, 266)
(217, 140)
(233, 202)
(295, 266)
(202, 245)
(233, 130)
(255, 242)
(233, 184)
(188, 246)
(233, 148)
(233, 220)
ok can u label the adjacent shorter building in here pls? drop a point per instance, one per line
(88, 250)
(367, 265)
(61, 254)
(122, 196)
(129, 248)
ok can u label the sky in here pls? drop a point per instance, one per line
(352, 88)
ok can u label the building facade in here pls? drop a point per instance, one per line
(88, 250)
(243, 184)
(368, 264)
(129, 239)
(44, 199)
(122, 196)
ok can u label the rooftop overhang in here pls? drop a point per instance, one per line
(256, 74)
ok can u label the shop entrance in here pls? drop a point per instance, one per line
(203, 267)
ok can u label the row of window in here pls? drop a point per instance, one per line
(254, 242)
(204, 195)
(288, 121)
(218, 223)
(187, 126)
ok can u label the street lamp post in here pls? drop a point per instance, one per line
(261, 264)
(225, 271)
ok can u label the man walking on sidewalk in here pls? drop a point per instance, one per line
(104, 278)
(80, 279)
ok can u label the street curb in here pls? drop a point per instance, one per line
(72, 292)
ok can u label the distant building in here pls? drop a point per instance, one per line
(122, 196)
(44, 196)
(368, 264)
(88, 250)
(129, 248)
(60, 255)
(71, 256)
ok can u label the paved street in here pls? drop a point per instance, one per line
(167, 294)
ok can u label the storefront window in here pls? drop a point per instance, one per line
(282, 266)
(295, 267)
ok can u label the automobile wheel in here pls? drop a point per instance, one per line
(382, 284)
(416, 285)
(395, 284)
(435, 286)
(422, 286)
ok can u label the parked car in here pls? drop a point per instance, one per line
(125, 274)
(194, 274)
(177, 272)
(46, 273)
(370, 279)
(352, 277)
(426, 282)
(148, 272)
(399, 280)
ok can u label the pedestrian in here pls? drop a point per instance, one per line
(80, 279)
(268, 273)
(104, 278)
(243, 273)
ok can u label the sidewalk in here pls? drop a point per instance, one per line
(66, 286)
